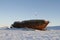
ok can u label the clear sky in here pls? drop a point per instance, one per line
(18, 10)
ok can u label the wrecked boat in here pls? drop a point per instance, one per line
(34, 24)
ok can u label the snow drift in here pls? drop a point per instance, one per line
(30, 34)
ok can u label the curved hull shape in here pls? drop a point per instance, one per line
(34, 24)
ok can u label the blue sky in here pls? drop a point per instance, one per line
(18, 10)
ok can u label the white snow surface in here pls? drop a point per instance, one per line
(52, 33)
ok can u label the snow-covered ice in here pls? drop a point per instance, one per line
(29, 34)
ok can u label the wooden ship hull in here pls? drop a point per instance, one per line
(34, 24)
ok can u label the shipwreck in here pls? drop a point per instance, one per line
(34, 24)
